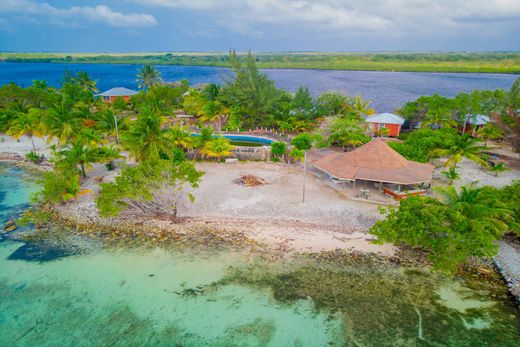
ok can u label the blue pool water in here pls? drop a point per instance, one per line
(246, 138)
(387, 90)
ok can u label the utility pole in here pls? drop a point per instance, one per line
(304, 174)
(117, 130)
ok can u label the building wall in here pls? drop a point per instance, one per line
(111, 99)
(394, 129)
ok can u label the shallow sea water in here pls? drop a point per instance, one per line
(93, 295)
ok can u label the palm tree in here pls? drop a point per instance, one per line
(451, 174)
(218, 147)
(145, 139)
(148, 76)
(206, 134)
(180, 136)
(212, 112)
(489, 132)
(84, 155)
(106, 122)
(86, 83)
(497, 168)
(80, 154)
(463, 147)
(361, 107)
(26, 124)
(89, 136)
(62, 121)
(40, 84)
(479, 205)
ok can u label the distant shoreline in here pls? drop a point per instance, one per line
(455, 62)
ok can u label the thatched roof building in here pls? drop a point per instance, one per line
(377, 162)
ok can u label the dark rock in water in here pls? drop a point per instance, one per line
(41, 252)
(10, 228)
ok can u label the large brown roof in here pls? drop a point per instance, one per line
(375, 161)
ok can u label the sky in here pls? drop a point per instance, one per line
(259, 25)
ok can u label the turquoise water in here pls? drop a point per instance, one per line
(85, 293)
(16, 187)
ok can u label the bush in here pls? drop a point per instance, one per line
(297, 154)
(277, 150)
(448, 236)
(110, 166)
(60, 186)
(303, 141)
(150, 188)
(419, 143)
(34, 157)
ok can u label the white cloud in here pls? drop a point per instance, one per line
(388, 17)
(76, 15)
(243, 14)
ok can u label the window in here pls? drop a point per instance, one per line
(381, 125)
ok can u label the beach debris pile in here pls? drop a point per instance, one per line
(249, 181)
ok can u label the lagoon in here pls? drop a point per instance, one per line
(387, 90)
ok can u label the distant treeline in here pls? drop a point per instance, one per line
(489, 62)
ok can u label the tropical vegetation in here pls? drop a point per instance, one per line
(495, 62)
(459, 224)
(158, 177)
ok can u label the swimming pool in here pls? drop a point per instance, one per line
(243, 140)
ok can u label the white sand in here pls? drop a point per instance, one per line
(22, 146)
(272, 213)
(471, 172)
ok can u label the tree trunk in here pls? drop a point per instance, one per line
(83, 172)
(32, 141)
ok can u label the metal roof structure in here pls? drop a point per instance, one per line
(477, 119)
(118, 91)
(385, 118)
(375, 161)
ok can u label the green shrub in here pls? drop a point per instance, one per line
(277, 150)
(303, 141)
(419, 143)
(297, 154)
(34, 157)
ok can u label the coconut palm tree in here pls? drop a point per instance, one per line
(451, 174)
(206, 134)
(145, 139)
(362, 107)
(62, 121)
(489, 132)
(498, 168)
(148, 76)
(217, 147)
(87, 84)
(106, 122)
(212, 111)
(40, 84)
(480, 205)
(84, 155)
(26, 124)
(464, 146)
(180, 136)
(80, 154)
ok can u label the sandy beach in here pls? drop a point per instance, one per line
(271, 213)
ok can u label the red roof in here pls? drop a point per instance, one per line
(375, 161)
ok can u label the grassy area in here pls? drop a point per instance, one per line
(488, 62)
